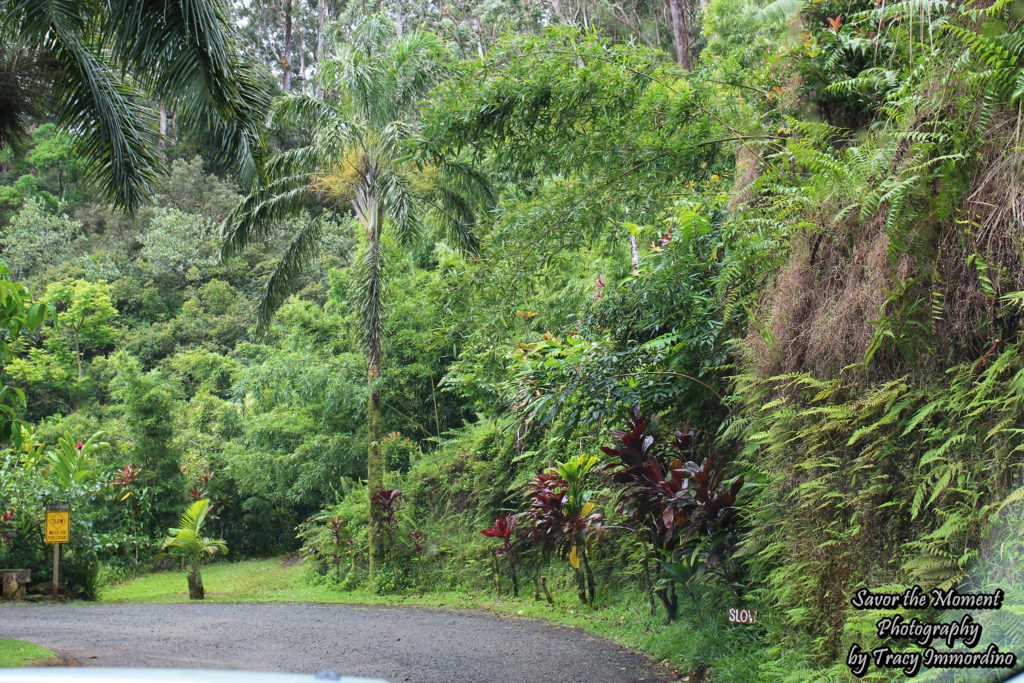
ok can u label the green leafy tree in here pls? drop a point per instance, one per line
(51, 171)
(177, 242)
(361, 129)
(36, 239)
(148, 401)
(87, 314)
(186, 540)
(18, 317)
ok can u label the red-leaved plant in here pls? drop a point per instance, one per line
(561, 525)
(7, 525)
(503, 528)
(679, 505)
(126, 475)
(386, 505)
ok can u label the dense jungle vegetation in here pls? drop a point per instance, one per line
(676, 306)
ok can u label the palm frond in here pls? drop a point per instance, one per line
(257, 213)
(304, 109)
(297, 162)
(186, 538)
(457, 218)
(14, 104)
(188, 54)
(194, 516)
(780, 10)
(112, 127)
(115, 55)
(469, 181)
(103, 108)
(281, 283)
(393, 138)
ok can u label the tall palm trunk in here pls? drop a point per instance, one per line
(371, 215)
(374, 461)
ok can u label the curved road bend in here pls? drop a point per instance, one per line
(396, 644)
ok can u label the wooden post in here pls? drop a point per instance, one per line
(56, 565)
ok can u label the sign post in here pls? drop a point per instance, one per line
(58, 530)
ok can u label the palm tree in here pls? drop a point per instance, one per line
(185, 541)
(361, 112)
(95, 64)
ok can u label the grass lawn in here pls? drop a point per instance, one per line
(267, 580)
(23, 653)
(248, 581)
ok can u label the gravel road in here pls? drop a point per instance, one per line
(396, 644)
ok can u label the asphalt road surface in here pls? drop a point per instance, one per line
(396, 644)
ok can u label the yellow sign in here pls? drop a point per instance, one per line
(58, 526)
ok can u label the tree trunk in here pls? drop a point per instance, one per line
(634, 254)
(374, 460)
(681, 32)
(547, 593)
(195, 585)
(588, 573)
(162, 141)
(669, 598)
(648, 584)
(286, 49)
(371, 214)
(320, 18)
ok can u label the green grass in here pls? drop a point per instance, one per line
(249, 581)
(23, 653)
(621, 619)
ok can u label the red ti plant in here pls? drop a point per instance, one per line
(126, 475)
(7, 525)
(201, 489)
(336, 526)
(680, 506)
(386, 505)
(503, 527)
(562, 518)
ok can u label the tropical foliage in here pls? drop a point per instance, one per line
(186, 541)
(659, 332)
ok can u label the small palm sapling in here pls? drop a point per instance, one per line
(186, 541)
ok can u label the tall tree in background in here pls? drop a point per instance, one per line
(286, 51)
(95, 63)
(665, 24)
(681, 31)
(287, 34)
(360, 131)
